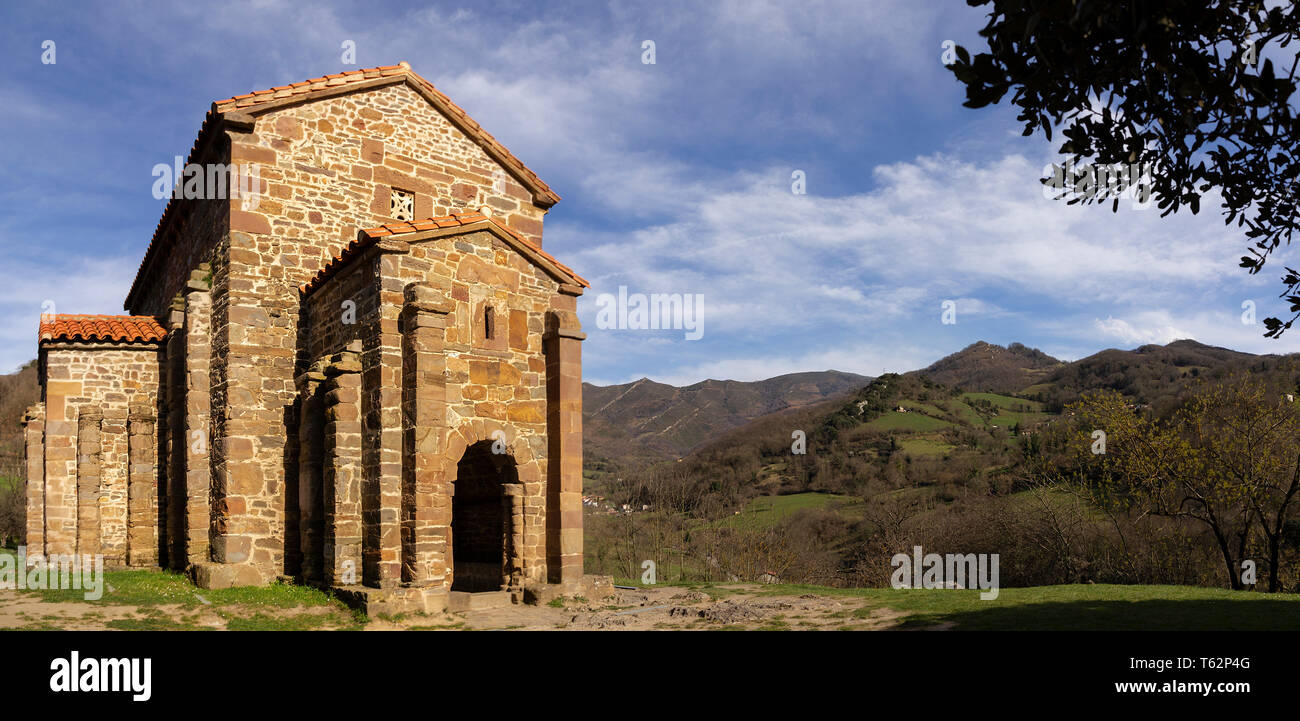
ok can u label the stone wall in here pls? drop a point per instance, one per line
(101, 482)
(34, 488)
(327, 168)
(495, 386)
(188, 236)
(325, 441)
(450, 331)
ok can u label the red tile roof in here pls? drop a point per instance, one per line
(367, 238)
(119, 328)
(250, 102)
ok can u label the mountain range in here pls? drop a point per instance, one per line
(647, 421)
(643, 422)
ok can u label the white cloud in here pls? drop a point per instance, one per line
(1130, 334)
(678, 180)
(933, 228)
(1213, 326)
(864, 358)
(72, 284)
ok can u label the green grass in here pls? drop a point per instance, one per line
(768, 511)
(895, 421)
(965, 413)
(925, 447)
(1002, 401)
(295, 622)
(155, 622)
(926, 408)
(1082, 607)
(156, 588)
(1010, 410)
(242, 608)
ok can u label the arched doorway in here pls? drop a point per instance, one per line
(481, 516)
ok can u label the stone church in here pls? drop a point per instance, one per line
(369, 379)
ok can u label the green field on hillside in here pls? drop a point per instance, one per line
(767, 511)
(1008, 402)
(1010, 410)
(925, 447)
(896, 421)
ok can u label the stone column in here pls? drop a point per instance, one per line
(256, 304)
(562, 346)
(175, 379)
(311, 430)
(34, 456)
(142, 499)
(60, 468)
(426, 492)
(88, 455)
(381, 491)
(342, 470)
(512, 509)
(195, 440)
(114, 479)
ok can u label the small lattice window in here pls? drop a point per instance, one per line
(402, 205)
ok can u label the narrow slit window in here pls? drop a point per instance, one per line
(487, 322)
(402, 205)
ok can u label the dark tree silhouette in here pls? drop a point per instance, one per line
(1186, 86)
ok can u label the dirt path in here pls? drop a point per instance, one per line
(739, 607)
(730, 607)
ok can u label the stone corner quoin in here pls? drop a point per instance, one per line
(308, 386)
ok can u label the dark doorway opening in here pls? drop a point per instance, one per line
(480, 517)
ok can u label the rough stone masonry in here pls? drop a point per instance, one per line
(369, 379)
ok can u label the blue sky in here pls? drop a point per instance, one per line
(676, 176)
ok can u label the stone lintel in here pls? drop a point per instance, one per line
(563, 324)
(424, 298)
(199, 279)
(235, 121)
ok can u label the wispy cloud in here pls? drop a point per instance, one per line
(676, 175)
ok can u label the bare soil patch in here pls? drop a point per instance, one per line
(731, 607)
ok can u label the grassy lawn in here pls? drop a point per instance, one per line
(158, 600)
(278, 606)
(1080, 607)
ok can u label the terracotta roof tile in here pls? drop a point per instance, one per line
(249, 101)
(117, 328)
(367, 237)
